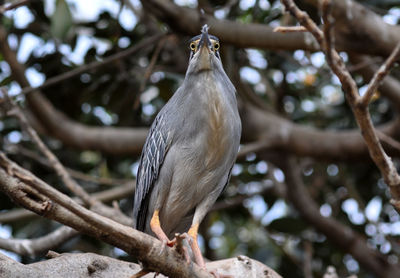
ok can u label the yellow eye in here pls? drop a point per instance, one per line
(193, 46)
(216, 46)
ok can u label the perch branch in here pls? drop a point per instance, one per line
(28, 190)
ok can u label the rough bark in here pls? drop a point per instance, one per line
(93, 265)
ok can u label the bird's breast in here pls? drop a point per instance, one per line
(217, 132)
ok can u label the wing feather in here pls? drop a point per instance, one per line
(151, 160)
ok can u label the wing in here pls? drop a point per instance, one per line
(151, 160)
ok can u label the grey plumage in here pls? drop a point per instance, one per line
(191, 147)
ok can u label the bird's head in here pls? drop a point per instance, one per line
(204, 55)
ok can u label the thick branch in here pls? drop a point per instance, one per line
(31, 192)
(357, 27)
(274, 132)
(189, 21)
(93, 265)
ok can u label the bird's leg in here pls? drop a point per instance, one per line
(155, 226)
(193, 231)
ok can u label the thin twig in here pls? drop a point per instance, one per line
(327, 29)
(7, 7)
(290, 29)
(389, 140)
(307, 260)
(365, 63)
(379, 76)
(54, 162)
(149, 70)
(16, 149)
(254, 147)
(94, 65)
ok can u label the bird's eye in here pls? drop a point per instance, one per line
(216, 46)
(193, 46)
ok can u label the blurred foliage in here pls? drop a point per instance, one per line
(298, 85)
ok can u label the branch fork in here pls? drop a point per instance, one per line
(359, 104)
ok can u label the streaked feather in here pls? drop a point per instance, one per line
(151, 160)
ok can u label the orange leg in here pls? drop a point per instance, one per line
(195, 246)
(156, 227)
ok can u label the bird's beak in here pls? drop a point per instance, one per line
(204, 59)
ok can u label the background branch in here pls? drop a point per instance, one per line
(32, 247)
(340, 235)
(363, 118)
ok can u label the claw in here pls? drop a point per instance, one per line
(171, 243)
(139, 274)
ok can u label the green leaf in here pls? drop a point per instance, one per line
(61, 20)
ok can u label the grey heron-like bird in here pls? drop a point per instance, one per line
(190, 150)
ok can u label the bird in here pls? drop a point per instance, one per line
(188, 155)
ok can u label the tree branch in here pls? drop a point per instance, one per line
(105, 196)
(272, 132)
(54, 162)
(20, 150)
(29, 191)
(32, 247)
(370, 28)
(17, 4)
(90, 265)
(189, 22)
(379, 76)
(362, 116)
(357, 26)
(389, 87)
